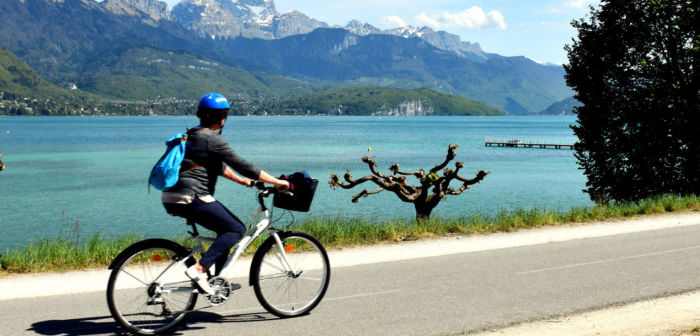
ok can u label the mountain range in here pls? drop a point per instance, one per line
(260, 19)
(130, 49)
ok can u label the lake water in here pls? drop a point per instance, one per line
(94, 170)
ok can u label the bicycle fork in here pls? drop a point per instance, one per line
(281, 254)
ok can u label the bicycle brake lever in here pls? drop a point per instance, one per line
(257, 184)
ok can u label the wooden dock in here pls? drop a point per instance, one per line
(514, 142)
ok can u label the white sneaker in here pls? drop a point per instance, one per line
(200, 279)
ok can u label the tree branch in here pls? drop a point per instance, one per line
(450, 155)
(479, 176)
(467, 182)
(420, 173)
(365, 193)
(372, 167)
(404, 194)
(336, 182)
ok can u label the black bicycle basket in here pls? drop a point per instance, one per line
(302, 188)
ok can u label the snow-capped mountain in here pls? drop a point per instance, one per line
(361, 28)
(246, 18)
(439, 39)
(260, 19)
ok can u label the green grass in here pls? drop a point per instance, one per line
(68, 252)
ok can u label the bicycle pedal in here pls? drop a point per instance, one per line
(235, 286)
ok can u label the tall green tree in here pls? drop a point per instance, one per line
(634, 67)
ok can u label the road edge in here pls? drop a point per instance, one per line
(74, 282)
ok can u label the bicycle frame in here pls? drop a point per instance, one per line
(243, 244)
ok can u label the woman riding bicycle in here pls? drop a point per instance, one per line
(208, 155)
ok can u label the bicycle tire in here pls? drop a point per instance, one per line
(287, 294)
(138, 298)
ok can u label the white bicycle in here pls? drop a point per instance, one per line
(148, 292)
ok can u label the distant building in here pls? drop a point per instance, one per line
(338, 110)
(407, 108)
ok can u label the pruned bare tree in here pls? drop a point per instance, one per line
(425, 197)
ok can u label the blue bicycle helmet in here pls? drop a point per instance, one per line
(214, 101)
(212, 108)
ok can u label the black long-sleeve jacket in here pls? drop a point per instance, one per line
(206, 156)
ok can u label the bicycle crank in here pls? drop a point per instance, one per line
(222, 289)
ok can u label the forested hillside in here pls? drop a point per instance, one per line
(379, 101)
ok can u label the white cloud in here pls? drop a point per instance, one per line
(424, 19)
(471, 18)
(497, 18)
(571, 6)
(394, 21)
(553, 10)
(580, 4)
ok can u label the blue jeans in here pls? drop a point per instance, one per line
(213, 216)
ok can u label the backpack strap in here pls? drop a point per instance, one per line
(188, 166)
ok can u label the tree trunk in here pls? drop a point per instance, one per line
(423, 211)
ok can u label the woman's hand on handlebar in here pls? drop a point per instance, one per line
(229, 174)
(282, 185)
(248, 182)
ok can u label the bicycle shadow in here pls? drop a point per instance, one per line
(199, 320)
(101, 325)
(80, 326)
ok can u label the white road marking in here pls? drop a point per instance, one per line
(603, 261)
(362, 295)
(258, 308)
(251, 310)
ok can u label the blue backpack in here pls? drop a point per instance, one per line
(166, 171)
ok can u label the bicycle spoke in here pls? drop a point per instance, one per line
(133, 276)
(281, 269)
(276, 276)
(283, 290)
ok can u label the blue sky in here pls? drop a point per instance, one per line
(537, 29)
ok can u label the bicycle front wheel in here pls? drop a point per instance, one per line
(148, 292)
(294, 285)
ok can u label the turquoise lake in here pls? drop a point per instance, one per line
(93, 170)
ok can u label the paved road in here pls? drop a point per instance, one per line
(451, 294)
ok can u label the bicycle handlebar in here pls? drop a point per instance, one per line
(257, 184)
(267, 191)
(261, 186)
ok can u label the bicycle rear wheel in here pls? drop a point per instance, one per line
(293, 289)
(148, 292)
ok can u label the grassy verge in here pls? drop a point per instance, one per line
(348, 232)
(62, 254)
